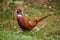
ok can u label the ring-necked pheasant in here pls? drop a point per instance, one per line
(25, 23)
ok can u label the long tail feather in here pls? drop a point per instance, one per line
(41, 18)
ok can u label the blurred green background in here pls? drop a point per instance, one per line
(9, 27)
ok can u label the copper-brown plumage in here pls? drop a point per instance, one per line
(25, 23)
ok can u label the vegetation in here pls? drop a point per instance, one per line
(9, 29)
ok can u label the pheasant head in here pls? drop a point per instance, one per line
(19, 12)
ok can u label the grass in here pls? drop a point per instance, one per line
(9, 28)
(36, 35)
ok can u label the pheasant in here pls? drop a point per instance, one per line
(25, 23)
